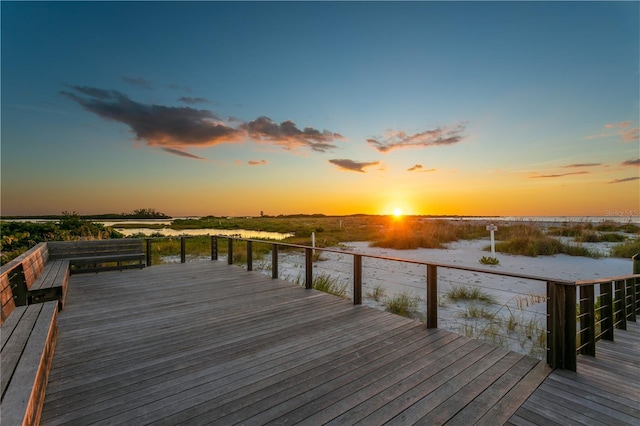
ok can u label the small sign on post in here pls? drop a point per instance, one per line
(492, 228)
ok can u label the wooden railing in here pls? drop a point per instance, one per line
(573, 325)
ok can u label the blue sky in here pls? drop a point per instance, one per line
(228, 108)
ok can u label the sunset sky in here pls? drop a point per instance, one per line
(232, 108)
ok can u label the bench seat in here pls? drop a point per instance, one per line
(51, 284)
(28, 339)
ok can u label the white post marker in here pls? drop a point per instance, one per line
(313, 242)
(492, 228)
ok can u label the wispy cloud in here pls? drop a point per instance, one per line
(178, 128)
(353, 166)
(635, 162)
(138, 82)
(288, 136)
(394, 139)
(419, 168)
(193, 101)
(571, 166)
(629, 179)
(559, 175)
(631, 135)
(257, 162)
(182, 153)
(614, 125)
(622, 129)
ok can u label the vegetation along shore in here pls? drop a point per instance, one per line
(404, 233)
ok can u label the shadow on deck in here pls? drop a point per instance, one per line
(205, 342)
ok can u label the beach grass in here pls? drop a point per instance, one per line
(328, 284)
(403, 304)
(377, 294)
(627, 250)
(467, 293)
(412, 233)
(533, 246)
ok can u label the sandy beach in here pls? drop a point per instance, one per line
(514, 317)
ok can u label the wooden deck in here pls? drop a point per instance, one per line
(605, 390)
(205, 342)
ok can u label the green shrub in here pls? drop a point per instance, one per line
(488, 260)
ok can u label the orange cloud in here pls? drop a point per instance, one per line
(629, 179)
(394, 139)
(620, 129)
(631, 135)
(559, 175)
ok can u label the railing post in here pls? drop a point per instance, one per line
(148, 251)
(183, 251)
(636, 292)
(432, 296)
(587, 320)
(571, 352)
(214, 247)
(230, 251)
(630, 290)
(553, 330)
(274, 261)
(636, 282)
(621, 297)
(249, 256)
(561, 326)
(606, 308)
(357, 279)
(308, 268)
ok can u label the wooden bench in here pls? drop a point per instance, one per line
(37, 278)
(99, 255)
(28, 339)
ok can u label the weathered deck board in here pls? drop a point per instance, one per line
(605, 390)
(205, 342)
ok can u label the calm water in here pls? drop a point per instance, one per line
(243, 233)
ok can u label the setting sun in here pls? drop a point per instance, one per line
(397, 212)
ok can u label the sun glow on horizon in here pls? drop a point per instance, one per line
(397, 212)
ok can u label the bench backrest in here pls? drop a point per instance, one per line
(76, 249)
(33, 263)
(17, 276)
(6, 297)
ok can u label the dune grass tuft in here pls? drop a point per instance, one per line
(468, 293)
(402, 304)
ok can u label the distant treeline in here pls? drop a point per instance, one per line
(136, 214)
